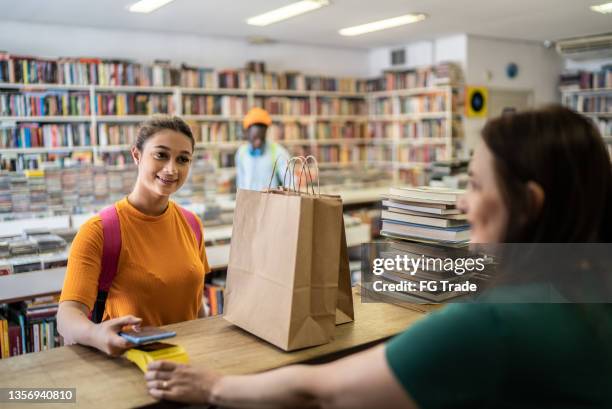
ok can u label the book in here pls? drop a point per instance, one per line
(460, 216)
(423, 220)
(427, 193)
(422, 207)
(449, 234)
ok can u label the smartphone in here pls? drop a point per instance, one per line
(146, 334)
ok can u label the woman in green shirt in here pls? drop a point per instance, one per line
(537, 177)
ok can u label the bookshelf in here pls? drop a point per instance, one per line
(401, 116)
(590, 93)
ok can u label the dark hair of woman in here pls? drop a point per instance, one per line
(159, 123)
(564, 153)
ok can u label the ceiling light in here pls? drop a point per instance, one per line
(147, 6)
(286, 12)
(382, 24)
(603, 8)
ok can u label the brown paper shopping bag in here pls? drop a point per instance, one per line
(288, 279)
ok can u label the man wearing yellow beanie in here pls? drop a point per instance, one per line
(255, 159)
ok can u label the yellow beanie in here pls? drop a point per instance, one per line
(256, 116)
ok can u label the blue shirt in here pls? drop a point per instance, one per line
(254, 172)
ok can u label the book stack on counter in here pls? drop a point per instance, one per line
(425, 214)
(424, 223)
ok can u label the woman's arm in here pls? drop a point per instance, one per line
(76, 328)
(362, 380)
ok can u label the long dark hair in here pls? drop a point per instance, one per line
(564, 153)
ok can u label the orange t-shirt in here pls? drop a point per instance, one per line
(160, 273)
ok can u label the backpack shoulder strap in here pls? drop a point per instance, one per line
(193, 223)
(111, 250)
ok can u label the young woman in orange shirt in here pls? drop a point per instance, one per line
(161, 264)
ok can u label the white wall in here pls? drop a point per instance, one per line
(539, 67)
(146, 46)
(420, 53)
(487, 58)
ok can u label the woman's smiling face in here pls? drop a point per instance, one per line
(163, 164)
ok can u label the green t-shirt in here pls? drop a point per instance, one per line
(507, 356)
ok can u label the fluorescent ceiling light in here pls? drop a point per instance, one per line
(603, 8)
(147, 6)
(382, 24)
(283, 13)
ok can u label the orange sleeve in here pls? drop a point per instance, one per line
(84, 264)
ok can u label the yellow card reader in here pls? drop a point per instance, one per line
(157, 351)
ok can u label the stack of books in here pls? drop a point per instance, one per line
(424, 225)
(425, 214)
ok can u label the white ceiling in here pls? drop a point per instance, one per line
(519, 19)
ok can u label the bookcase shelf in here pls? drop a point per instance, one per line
(339, 125)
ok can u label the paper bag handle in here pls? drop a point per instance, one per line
(290, 163)
(274, 170)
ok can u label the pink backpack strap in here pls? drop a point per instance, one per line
(111, 249)
(193, 223)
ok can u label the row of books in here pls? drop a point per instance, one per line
(381, 130)
(340, 130)
(417, 78)
(284, 105)
(44, 103)
(341, 106)
(429, 128)
(345, 154)
(425, 153)
(580, 79)
(134, 104)
(31, 135)
(214, 105)
(214, 132)
(29, 327)
(590, 103)
(112, 72)
(381, 106)
(289, 131)
(423, 103)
